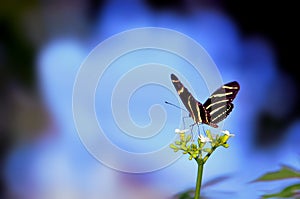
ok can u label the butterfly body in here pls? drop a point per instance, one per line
(215, 109)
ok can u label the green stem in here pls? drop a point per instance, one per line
(209, 153)
(200, 163)
(199, 178)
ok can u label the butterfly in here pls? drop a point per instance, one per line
(215, 109)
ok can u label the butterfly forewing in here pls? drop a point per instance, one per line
(219, 104)
(194, 107)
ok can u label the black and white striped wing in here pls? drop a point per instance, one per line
(219, 104)
(194, 107)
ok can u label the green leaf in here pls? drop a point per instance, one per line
(287, 192)
(183, 147)
(188, 194)
(195, 155)
(216, 181)
(173, 146)
(225, 145)
(200, 144)
(193, 146)
(188, 138)
(284, 173)
(208, 134)
(207, 150)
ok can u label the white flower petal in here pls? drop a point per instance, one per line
(181, 131)
(226, 132)
(204, 139)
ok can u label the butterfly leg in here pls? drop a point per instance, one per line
(203, 129)
(192, 126)
(198, 128)
(183, 121)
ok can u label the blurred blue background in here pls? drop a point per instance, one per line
(43, 45)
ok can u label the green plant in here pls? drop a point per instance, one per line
(284, 173)
(199, 150)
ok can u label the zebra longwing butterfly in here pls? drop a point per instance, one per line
(215, 109)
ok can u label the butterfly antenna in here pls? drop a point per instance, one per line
(175, 106)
